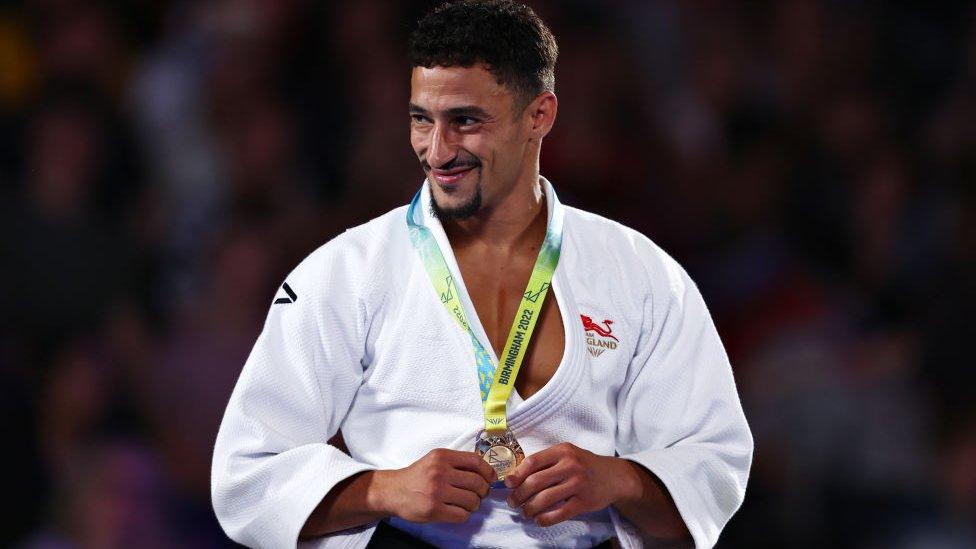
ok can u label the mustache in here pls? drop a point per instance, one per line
(459, 161)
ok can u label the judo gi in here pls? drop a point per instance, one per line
(358, 340)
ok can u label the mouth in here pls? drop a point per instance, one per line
(450, 177)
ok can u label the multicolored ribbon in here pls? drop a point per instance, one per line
(496, 383)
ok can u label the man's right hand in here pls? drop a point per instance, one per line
(443, 486)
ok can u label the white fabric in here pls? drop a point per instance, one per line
(368, 348)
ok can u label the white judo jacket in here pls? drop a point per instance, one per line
(358, 340)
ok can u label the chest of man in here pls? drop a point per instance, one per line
(495, 286)
(420, 385)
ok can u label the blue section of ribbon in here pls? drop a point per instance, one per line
(424, 242)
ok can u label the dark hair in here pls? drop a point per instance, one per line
(507, 36)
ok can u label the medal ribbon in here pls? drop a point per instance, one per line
(496, 383)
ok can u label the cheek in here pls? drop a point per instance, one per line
(504, 156)
(475, 146)
(419, 138)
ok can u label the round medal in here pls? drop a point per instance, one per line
(502, 459)
(501, 451)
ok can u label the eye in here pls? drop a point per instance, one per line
(466, 121)
(419, 119)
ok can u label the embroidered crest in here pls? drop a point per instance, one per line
(598, 338)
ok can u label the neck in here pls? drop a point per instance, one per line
(518, 219)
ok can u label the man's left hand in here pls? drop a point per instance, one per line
(564, 481)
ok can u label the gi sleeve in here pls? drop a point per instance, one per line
(679, 412)
(271, 464)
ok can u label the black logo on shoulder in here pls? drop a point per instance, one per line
(292, 296)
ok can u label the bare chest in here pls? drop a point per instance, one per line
(496, 290)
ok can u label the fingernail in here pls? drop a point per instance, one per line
(509, 481)
(510, 503)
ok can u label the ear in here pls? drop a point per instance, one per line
(542, 114)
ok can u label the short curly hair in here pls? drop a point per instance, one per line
(507, 36)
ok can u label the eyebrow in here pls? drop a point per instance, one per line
(453, 112)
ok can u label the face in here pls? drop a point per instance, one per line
(469, 141)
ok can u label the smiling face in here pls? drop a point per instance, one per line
(470, 141)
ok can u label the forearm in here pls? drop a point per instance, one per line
(353, 502)
(646, 503)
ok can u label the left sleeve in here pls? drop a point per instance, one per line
(679, 414)
(272, 464)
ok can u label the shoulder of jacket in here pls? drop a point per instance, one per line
(362, 243)
(600, 237)
(359, 252)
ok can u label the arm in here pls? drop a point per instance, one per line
(647, 504)
(272, 465)
(679, 415)
(443, 486)
(353, 502)
(685, 448)
(565, 480)
(275, 477)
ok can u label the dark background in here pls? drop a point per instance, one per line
(164, 164)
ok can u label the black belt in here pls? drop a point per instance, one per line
(389, 537)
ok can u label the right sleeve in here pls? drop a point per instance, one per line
(271, 464)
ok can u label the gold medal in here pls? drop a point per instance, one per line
(501, 451)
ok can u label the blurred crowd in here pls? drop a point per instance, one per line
(164, 164)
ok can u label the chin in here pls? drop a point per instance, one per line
(454, 202)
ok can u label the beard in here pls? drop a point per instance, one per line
(463, 211)
(464, 159)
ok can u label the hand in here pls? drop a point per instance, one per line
(443, 486)
(564, 481)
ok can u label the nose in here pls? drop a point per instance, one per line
(442, 150)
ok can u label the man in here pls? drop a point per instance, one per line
(608, 408)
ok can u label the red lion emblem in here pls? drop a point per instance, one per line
(604, 331)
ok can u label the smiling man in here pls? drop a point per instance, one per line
(506, 371)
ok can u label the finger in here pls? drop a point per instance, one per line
(468, 480)
(532, 464)
(487, 471)
(451, 513)
(562, 512)
(465, 499)
(549, 498)
(445, 455)
(535, 483)
(471, 461)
